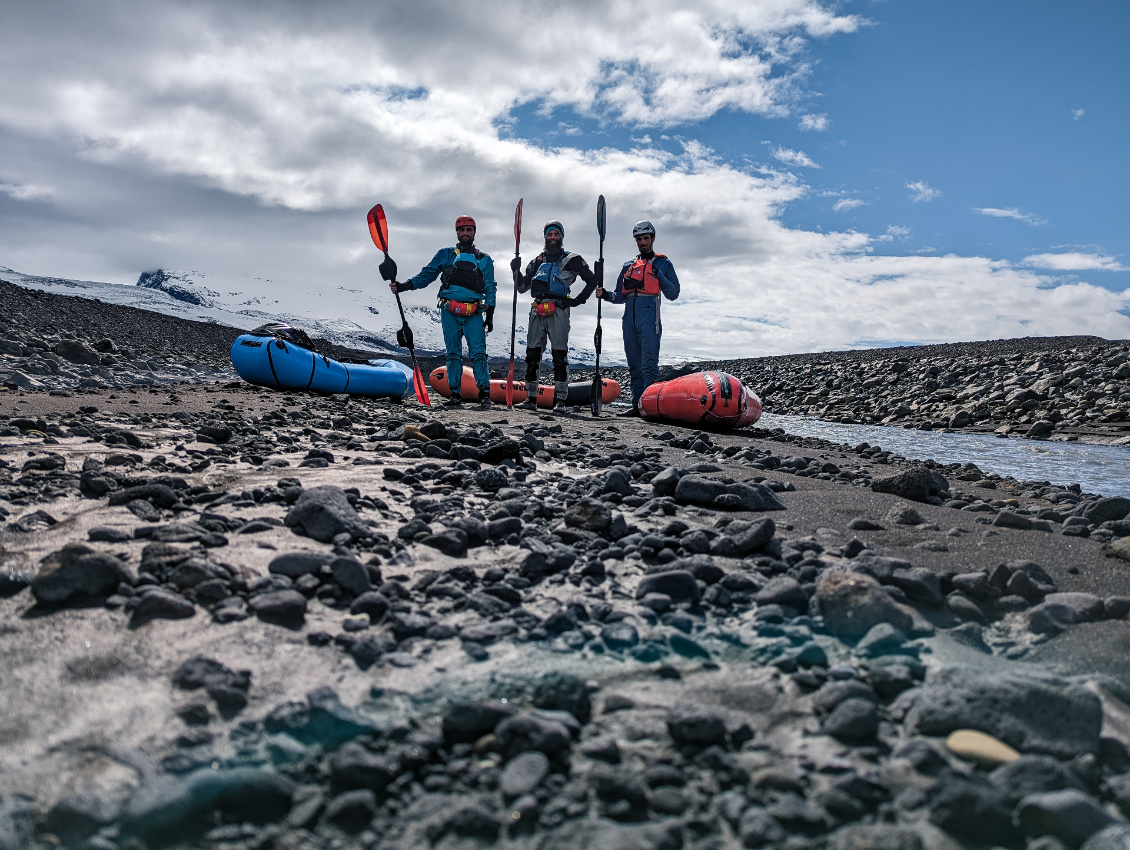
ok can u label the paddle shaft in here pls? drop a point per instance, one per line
(514, 306)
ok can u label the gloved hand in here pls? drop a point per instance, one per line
(516, 264)
(489, 319)
(403, 286)
(598, 270)
(575, 302)
(387, 269)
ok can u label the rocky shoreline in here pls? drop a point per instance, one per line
(234, 618)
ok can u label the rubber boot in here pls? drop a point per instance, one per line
(484, 399)
(456, 400)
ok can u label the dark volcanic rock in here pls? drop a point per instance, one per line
(918, 484)
(680, 585)
(324, 512)
(77, 571)
(852, 603)
(1034, 714)
(281, 607)
(157, 603)
(174, 807)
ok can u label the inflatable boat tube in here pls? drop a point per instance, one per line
(272, 362)
(716, 399)
(409, 390)
(580, 392)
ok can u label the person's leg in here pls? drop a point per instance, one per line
(650, 332)
(633, 352)
(558, 331)
(536, 337)
(476, 336)
(453, 342)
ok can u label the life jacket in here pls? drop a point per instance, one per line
(552, 281)
(464, 272)
(640, 278)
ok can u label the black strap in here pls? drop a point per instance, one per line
(271, 361)
(346, 368)
(313, 366)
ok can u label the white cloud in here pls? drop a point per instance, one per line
(1076, 114)
(847, 204)
(1010, 212)
(798, 159)
(25, 192)
(813, 122)
(1075, 261)
(920, 191)
(894, 231)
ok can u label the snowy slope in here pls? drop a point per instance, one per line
(247, 302)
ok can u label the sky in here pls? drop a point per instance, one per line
(823, 175)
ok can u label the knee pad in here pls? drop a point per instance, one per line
(560, 364)
(533, 361)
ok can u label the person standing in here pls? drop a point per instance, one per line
(641, 285)
(549, 277)
(466, 305)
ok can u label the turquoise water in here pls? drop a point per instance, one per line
(1097, 469)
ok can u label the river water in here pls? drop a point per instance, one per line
(1097, 469)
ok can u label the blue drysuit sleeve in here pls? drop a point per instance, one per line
(490, 288)
(668, 280)
(431, 271)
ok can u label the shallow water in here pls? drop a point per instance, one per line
(1097, 469)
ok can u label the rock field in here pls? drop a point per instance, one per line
(235, 618)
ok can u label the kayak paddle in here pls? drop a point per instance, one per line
(514, 312)
(378, 229)
(597, 386)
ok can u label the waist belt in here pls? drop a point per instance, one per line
(459, 308)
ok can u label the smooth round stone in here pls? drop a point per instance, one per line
(977, 746)
(523, 774)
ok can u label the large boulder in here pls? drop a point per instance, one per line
(1033, 714)
(324, 512)
(77, 571)
(851, 603)
(918, 484)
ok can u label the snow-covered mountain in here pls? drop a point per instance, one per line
(247, 302)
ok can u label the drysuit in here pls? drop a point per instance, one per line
(642, 283)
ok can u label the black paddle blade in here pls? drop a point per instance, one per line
(404, 337)
(518, 226)
(600, 216)
(378, 228)
(387, 268)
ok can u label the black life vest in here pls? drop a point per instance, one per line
(465, 273)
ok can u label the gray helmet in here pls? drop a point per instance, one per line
(643, 228)
(549, 225)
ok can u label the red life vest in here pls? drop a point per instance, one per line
(640, 278)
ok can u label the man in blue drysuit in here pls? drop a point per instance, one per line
(641, 285)
(466, 306)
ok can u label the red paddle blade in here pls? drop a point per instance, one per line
(518, 225)
(378, 227)
(421, 387)
(510, 374)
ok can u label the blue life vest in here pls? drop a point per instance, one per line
(551, 280)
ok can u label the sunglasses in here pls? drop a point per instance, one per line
(466, 227)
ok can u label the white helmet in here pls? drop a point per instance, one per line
(643, 228)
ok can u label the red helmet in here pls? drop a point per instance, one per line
(464, 220)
